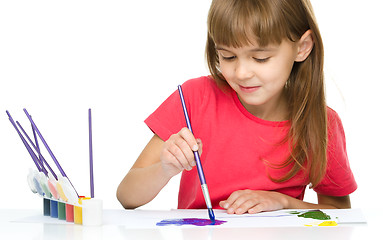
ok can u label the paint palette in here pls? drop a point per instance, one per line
(60, 198)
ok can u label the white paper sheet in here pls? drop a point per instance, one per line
(281, 218)
(149, 218)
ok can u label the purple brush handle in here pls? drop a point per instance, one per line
(45, 144)
(33, 145)
(42, 159)
(91, 154)
(196, 155)
(30, 151)
(36, 141)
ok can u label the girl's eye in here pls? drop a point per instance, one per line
(261, 60)
(227, 58)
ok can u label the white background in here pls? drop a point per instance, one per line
(123, 58)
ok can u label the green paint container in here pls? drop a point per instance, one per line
(61, 211)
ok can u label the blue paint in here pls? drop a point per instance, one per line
(54, 209)
(189, 221)
(211, 215)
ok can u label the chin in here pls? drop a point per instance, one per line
(251, 101)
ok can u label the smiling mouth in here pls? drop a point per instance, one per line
(249, 89)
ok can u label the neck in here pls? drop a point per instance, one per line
(273, 110)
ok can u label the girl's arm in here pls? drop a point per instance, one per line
(324, 202)
(145, 179)
(251, 201)
(156, 165)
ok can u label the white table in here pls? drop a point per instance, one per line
(12, 228)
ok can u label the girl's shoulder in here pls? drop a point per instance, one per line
(331, 112)
(200, 83)
(333, 117)
(334, 126)
(204, 87)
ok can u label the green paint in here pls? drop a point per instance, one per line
(294, 212)
(61, 211)
(315, 214)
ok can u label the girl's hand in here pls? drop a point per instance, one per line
(177, 152)
(251, 201)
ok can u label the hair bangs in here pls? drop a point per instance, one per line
(243, 22)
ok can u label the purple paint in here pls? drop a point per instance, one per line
(189, 221)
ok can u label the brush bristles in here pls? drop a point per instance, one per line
(211, 215)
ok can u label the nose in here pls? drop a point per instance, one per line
(244, 70)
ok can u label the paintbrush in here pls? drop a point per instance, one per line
(198, 161)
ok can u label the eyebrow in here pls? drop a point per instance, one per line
(260, 49)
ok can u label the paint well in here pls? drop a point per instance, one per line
(47, 207)
(54, 209)
(61, 210)
(69, 213)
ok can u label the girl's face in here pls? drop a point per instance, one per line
(258, 75)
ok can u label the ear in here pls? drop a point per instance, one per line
(305, 45)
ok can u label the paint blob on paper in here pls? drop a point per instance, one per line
(189, 221)
(315, 214)
(295, 212)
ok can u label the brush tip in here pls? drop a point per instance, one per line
(211, 214)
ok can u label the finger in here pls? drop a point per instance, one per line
(228, 202)
(237, 206)
(199, 142)
(222, 204)
(188, 155)
(234, 201)
(177, 146)
(225, 204)
(246, 206)
(188, 136)
(257, 209)
(172, 160)
(179, 156)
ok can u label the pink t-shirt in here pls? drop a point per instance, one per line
(240, 149)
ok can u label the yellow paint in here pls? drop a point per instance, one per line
(78, 211)
(328, 223)
(322, 224)
(83, 198)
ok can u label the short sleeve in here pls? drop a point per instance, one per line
(339, 179)
(169, 118)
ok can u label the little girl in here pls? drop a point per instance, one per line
(260, 119)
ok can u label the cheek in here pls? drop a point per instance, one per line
(279, 72)
(269, 74)
(226, 70)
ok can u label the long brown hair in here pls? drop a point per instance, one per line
(234, 23)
